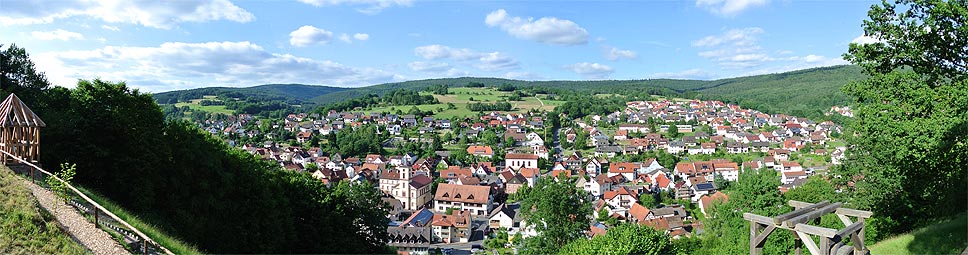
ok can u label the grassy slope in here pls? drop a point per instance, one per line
(461, 97)
(946, 237)
(25, 228)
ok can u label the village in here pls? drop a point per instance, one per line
(440, 202)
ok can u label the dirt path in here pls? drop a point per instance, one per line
(98, 241)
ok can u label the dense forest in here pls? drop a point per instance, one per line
(187, 182)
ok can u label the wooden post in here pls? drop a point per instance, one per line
(144, 246)
(95, 215)
(797, 243)
(755, 248)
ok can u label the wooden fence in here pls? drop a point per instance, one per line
(96, 208)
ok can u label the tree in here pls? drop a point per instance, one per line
(624, 239)
(18, 75)
(816, 189)
(909, 143)
(558, 211)
(648, 200)
(673, 132)
(756, 191)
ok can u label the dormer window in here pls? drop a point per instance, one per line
(446, 194)
(470, 196)
(457, 196)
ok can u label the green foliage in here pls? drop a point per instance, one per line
(486, 107)
(623, 239)
(557, 210)
(59, 187)
(948, 236)
(25, 228)
(909, 143)
(648, 200)
(168, 172)
(727, 232)
(18, 75)
(816, 189)
(355, 142)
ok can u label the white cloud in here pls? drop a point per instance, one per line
(433, 67)
(687, 74)
(156, 14)
(361, 37)
(177, 65)
(863, 39)
(548, 30)
(369, 6)
(438, 51)
(591, 70)
(309, 35)
(729, 8)
(486, 61)
(495, 61)
(345, 38)
(736, 37)
(813, 58)
(58, 34)
(613, 54)
(112, 28)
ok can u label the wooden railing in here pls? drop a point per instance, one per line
(97, 208)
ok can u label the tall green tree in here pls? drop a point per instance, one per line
(18, 75)
(624, 239)
(558, 211)
(908, 143)
(756, 191)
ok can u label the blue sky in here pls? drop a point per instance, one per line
(160, 46)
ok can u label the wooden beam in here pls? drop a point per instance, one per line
(801, 204)
(811, 246)
(811, 215)
(761, 238)
(799, 211)
(846, 220)
(850, 229)
(814, 230)
(854, 212)
(758, 218)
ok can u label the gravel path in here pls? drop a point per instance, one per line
(82, 230)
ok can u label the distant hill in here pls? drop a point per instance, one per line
(292, 93)
(807, 92)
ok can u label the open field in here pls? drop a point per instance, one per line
(461, 97)
(195, 106)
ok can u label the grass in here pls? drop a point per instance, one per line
(207, 108)
(25, 227)
(170, 242)
(945, 237)
(460, 97)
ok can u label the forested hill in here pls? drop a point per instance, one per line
(291, 93)
(807, 92)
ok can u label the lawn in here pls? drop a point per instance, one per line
(25, 227)
(207, 108)
(945, 237)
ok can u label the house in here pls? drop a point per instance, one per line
(480, 151)
(515, 182)
(476, 199)
(452, 228)
(507, 216)
(303, 137)
(518, 161)
(413, 191)
(621, 198)
(597, 186)
(706, 202)
(701, 189)
(788, 177)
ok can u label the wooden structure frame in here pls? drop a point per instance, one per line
(796, 222)
(19, 129)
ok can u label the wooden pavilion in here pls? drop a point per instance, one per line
(20, 126)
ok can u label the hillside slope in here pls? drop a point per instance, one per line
(25, 228)
(808, 92)
(291, 93)
(946, 237)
